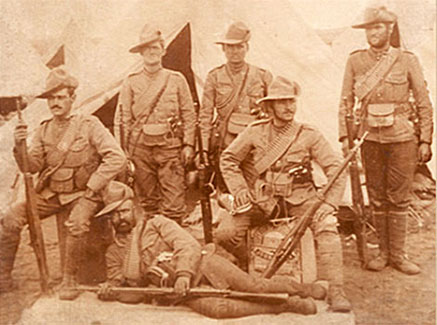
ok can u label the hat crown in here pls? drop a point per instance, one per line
(374, 15)
(281, 87)
(238, 31)
(115, 192)
(149, 32)
(57, 79)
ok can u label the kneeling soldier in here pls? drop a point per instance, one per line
(145, 250)
(267, 169)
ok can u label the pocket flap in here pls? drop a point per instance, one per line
(156, 129)
(62, 174)
(381, 109)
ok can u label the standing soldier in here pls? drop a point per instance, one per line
(382, 80)
(156, 115)
(268, 167)
(76, 157)
(231, 91)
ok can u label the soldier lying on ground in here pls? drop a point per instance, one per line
(267, 168)
(76, 157)
(144, 250)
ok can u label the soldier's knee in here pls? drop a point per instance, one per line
(326, 225)
(14, 218)
(79, 219)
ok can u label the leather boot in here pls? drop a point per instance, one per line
(9, 242)
(397, 226)
(379, 262)
(304, 306)
(337, 299)
(330, 268)
(73, 255)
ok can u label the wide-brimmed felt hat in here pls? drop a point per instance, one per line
(114, 195)
(281, 88)
(148, 35)
(376, 15)
(57, 79)
(237, 33)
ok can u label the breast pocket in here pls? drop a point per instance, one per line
(396, 85)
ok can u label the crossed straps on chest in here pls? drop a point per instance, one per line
(366, 83)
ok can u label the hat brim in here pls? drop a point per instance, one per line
(137, 48)
(230, 41)
(270, 98)
(46, 94)
(109, 208)
(367, 24)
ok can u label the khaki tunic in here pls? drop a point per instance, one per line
(219, 85)
(405, 75)
(255, 141)
(93, 160)
(175, 102)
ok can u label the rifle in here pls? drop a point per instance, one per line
(36, 234)
(289, 243)
(128, 175)
(271, 298)
(205, 189)
(359, 209)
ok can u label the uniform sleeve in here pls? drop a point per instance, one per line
(323, 154)
(123, 114)
(35, 153)
(421, 95)
(186, 250)
(347, 91)
(114, 266)
(231, 159)
(113, 160)
(186, 108)
(206, 112)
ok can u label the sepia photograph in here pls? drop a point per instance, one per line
(218, 162)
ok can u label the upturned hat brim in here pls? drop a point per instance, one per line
(270, 98)
(367, 24)
(231, 41)
(110, 207)
(137, 48)
(46, 94)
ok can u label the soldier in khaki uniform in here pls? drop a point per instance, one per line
(156, 118)
(268, 167)
(383, 79)
(76, 157)
(231, 91)
(158, 251)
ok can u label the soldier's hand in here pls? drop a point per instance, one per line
(20, 133)
(182, 285)
(187, 155)
(105, 291)
(242, 198)
(324, 210)
(205, 159)
(425, 153)
(345, 147)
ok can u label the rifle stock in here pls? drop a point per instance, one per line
(205, 202)
(359, 208)
(290, 242)
(36, 234)
(274, 298)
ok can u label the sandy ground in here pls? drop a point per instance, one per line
(388, 297)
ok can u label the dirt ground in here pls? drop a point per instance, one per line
(388, 297)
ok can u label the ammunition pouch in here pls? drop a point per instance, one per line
(62, 180)
(380, 115)
(160, 135)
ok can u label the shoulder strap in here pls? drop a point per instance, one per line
(378, 72)
(278, 147)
